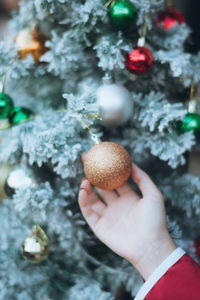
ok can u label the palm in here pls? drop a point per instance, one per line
(119, 221)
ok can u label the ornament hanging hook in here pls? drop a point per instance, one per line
(192, 105)
(169, 4)
(4, 77)
(95, 139)
(192, 91)
(110, 3)
(3, 83)
(107, 79)
(142, 32)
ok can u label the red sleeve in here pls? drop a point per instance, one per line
(180, 282)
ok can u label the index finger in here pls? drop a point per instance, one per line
(144, 182)
(83, 156)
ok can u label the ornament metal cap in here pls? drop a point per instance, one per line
(110, 3)
(141, 41)
(95, 139)
(107, 79)
(192, 106)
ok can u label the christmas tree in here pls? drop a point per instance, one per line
(74, 72)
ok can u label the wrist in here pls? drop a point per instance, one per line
(154, 254)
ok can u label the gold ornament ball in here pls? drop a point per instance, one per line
(107, 165)
(35, 247)
(31, 41)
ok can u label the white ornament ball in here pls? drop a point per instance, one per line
(18, 178)
(115, 104)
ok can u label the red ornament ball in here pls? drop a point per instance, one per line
(169, 18)
(140, 60)
(197, 247)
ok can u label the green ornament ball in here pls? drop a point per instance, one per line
(20, 115)
(123, 14)
(191, 122)
(6, 106)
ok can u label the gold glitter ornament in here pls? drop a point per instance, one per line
(31, 41)
(35, 247)
(107, 165)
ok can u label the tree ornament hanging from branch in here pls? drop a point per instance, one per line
(107, 165)
(31, 41)
(11, 115)
(35, 247)
(6, 106)
(114, 102)
(169, 18)
(20, 115)
(123, 13)
(191, 121)
(140, 60)
(16, 179)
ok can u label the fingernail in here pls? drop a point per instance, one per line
(83, 190)
(83, 156)
(82, 183)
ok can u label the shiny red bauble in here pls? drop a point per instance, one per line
(197, 247)
(169, 18)
(139, 61)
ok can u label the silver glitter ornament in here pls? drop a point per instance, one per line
(114, 102)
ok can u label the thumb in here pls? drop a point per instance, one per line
(144, 182)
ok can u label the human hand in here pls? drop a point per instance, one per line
(134, 227)
(9, 5)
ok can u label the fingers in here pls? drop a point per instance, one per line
(91, 198)
(126, 189)
(110, 196)
(107, 196)
(144, 182)
(83, 156)
(89, 214)
(91, 206)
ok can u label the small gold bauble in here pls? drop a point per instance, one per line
(31, 41)
(35, 247)
(107, 165)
